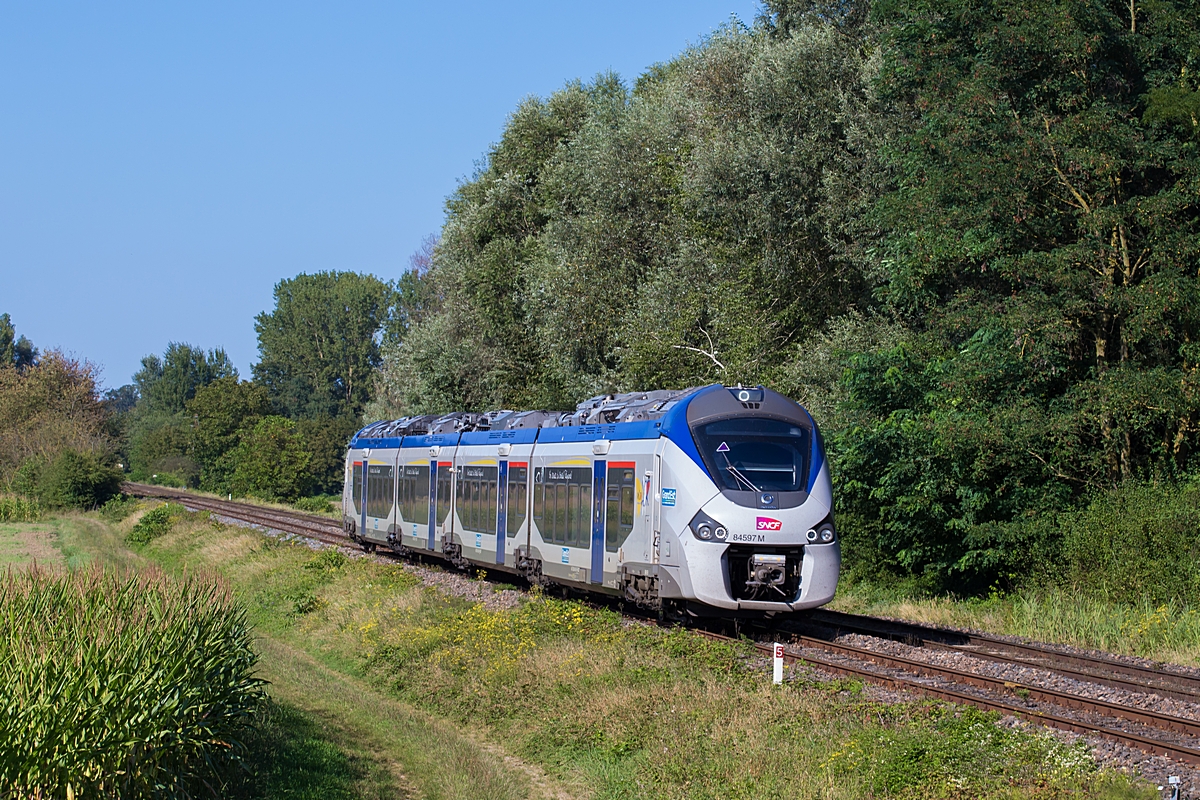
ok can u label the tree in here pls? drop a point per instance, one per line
(271, 462)
(166, 385)
(16, 352)
(48, 408)
(1041, 244)
(319, 346)
(220, 414)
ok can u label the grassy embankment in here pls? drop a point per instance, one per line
(445, 698)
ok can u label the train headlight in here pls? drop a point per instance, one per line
(707, 529)
(826, 532)
(812, 535)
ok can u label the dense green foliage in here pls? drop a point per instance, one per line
(121, 686)
(272, 461)
(319, 346)
(966, 235)
(69, 480)
(156, 522)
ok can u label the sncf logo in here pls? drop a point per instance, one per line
(768, 524)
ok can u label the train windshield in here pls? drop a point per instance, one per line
(752, 454)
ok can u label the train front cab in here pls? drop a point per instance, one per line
(759, 555)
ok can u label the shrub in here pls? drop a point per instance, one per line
(78, 480)
(14, 508)
(156, 522)
(121, 686)
(118, 508)
(328, 559)
(69, 480)
(316, 505)
(1134, 544)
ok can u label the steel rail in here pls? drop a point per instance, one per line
(1092, 669)
(1154, 719)
(300, 524)
(1144, 743)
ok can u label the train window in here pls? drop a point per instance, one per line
(583, 521)
(573, 512)
(380, 488)
(445, 483)
(560, 513)
(756, 454)
(477, 498)
(518, 489)
(414, 493)
(562, 501)
(356, 488)
(618, 523)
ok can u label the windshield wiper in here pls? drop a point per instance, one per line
(742, 479)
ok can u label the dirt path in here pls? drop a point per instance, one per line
(24, 542)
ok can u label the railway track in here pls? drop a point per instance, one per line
(1148, 730)
(1093, 668)
(314, 527)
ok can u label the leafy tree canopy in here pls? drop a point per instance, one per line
(15, 351)
(320, 344)
(166, 384)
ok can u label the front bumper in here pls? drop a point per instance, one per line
(705, 580)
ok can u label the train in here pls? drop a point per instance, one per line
(708, 501)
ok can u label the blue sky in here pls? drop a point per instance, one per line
(163, 165)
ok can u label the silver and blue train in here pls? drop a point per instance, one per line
(707, 501)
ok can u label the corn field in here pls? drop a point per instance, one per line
(15, 508)
(116, 685)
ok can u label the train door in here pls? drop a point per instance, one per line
(599, 480)
(441, 499)
(624, 499)
(516, 504)
(353, 500)
(654, 541)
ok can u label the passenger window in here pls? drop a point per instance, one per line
(618, 524)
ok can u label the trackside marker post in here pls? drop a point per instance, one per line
(778, 678)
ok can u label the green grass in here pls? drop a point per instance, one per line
(21, 543)
(295, 759)
(557, 699)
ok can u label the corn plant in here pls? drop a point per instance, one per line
(117, 685)
(15, 508)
